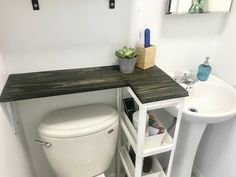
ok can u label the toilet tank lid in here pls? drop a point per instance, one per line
(78, 121)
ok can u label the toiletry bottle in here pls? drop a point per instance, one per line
(204, 70)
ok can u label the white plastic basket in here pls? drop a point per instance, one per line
(150, 141)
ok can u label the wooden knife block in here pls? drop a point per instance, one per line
(146, 57)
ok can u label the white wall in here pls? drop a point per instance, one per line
(3, 72)
(13, 161)
(78, 33)
(185, 40)
(85, 33)
(182, 41)
(217, 151)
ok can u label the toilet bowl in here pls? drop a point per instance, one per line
(81, 141)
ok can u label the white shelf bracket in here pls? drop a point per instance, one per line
(9, 109)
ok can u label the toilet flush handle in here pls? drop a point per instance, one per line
(44, 143)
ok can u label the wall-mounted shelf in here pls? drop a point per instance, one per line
(151, 89)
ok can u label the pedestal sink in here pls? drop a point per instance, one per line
(212, 101)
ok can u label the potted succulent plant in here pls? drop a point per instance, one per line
(127, 59)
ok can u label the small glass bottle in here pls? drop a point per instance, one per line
(204, 70)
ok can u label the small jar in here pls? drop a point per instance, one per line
(136, 122)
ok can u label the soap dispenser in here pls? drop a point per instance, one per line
(204, 70)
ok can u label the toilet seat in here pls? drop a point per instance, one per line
(101, 175)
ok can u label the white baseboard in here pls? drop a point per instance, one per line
(197, 172)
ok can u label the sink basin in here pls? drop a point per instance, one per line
(211, 101)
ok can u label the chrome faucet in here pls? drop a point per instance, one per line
(188, 78)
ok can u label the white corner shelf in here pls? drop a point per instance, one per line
(157, 170)
(151, 147)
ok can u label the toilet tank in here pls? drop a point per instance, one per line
(83, 139)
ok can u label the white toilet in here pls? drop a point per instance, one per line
(80, 141)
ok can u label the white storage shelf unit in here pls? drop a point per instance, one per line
(146, 146)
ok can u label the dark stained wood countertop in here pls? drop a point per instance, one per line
(149, 85)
